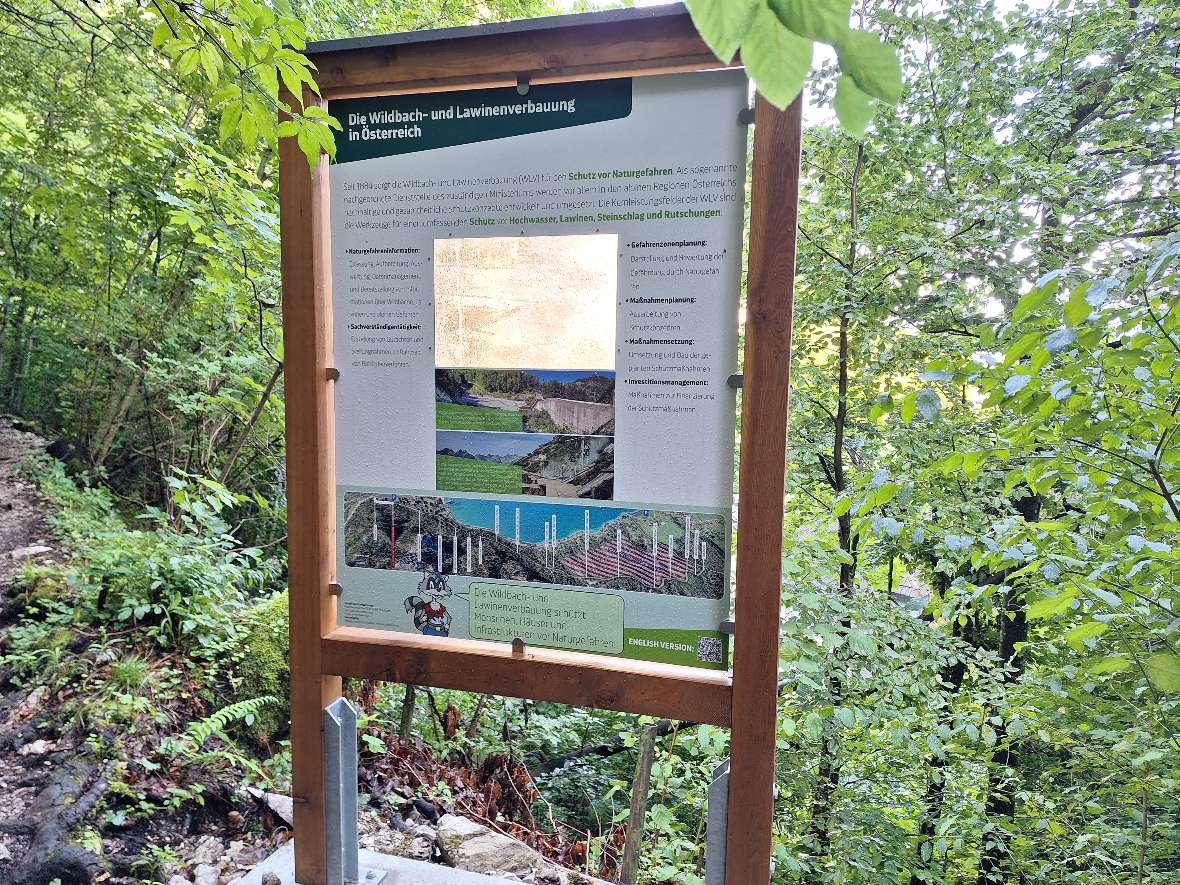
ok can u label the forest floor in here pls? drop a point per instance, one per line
(50, 778)
(65, 776)
(23, 534)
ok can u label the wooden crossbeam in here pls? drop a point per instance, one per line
(669, 44)
(542, 674)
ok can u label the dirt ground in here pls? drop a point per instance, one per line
(22, 531)
(22, 524)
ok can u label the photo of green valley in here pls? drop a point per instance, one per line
(525, 432)
(525, 464)
(525, 401)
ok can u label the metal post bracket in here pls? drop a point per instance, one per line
(717, 825)
(340, 798)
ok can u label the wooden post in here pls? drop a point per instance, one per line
(407, 718)
(774, 206)
(311, 520)
(633, 846)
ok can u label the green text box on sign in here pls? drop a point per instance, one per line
(550, 616)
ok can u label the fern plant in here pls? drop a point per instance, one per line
(186, 749)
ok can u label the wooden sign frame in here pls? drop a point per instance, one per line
(634, 42)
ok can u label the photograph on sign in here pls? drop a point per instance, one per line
(525, 400)
(526, 302)
(535, 306)
(620, 548)
(526, 464)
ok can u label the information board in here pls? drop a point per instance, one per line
(535, 313)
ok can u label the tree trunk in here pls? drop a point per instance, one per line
(829, 764)
(1003, 778)
(633, 845)
(12, 391)
(407, 718)
(952, 676)
(112, 420)
(245, 433)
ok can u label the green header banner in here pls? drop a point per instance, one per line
(405, 124)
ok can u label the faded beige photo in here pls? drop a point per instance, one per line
(526, 302)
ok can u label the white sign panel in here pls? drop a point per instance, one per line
(535, 307)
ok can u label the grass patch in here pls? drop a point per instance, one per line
(467, 475)
(454, 416)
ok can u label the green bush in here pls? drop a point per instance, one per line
(182, 577)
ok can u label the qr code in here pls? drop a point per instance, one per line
(709, 650)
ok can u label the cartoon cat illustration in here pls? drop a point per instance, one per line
(431, 617)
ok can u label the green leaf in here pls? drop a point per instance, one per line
(776, 59)
(825, 20)
(862, 643)
(292, 81)
(270, 81)
(211, 62)
(231, 114)
(813, 724)
(187, 63)
(928, 403)
(1016, 383)
(854, 109)
(871, 63)
(1163, 669)
(373, 743)
(1030, 302)
(161, 34)
(1060, 340)
(1110, 665)
(1047, 606)
(723, 24)
(1077, 309)
(248, 127)
(309, 145)
(1088, 630)
(886, 493)
(1149, 756)
(909, 406)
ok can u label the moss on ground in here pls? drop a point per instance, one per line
(265, 664)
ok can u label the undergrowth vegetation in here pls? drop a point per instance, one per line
(137, 633)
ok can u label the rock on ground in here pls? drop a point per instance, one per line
(208, 850)
(471, 846)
